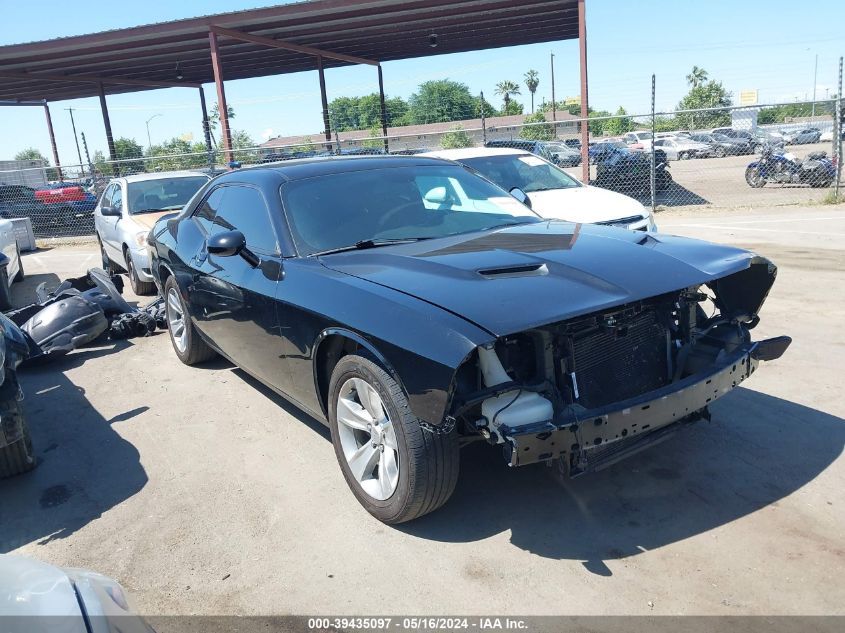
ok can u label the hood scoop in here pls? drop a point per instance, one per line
(520, 270)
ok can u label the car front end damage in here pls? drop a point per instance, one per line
(593, 389)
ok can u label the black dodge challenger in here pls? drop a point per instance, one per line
(415, 307)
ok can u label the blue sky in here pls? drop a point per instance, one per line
(769, 45)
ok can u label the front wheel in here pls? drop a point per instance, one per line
(187, 344)
(140, 288)
(396, 469)
(720, 152)
(754, 178)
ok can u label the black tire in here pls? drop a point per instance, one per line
(720, 152)
(19, 276)
(428, 461)
(683, 156)
(753, 178)
(18, 457)
(5, 291)
(140, 288)
(196, 350)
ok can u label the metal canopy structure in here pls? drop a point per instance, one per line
(276, 40)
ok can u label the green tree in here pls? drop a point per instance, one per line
(441, 100)
(543, 132)
(214, 117)
(457, 138)
(30, 153)
(619, 125)
(482, 105)
(514, 107)
(126, 148)
(506, 89)
(697, 77)
(532, 80)
(710, 94)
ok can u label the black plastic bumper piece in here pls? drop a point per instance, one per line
(585, 437)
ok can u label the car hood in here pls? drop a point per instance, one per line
(510, 280)
(148, 220)
(584, 204)
(31, 588)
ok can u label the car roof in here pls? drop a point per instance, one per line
(476, 152)
(324, 165)
(160, 175)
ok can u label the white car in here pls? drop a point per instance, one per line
(552, 192)
(11, 267)
(638, 140)
(681, 148)
(127, 211)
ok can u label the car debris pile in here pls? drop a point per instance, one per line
(81, 310)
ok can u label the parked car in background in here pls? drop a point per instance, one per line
(638, 140)
(600, 151)
(552, 193)
(681, 148)
(127, 211)
(768, 137)
(39, 597)
(11, 266)
(414, 307)
(564, 155)
(802, 136)
(574, 143)
(629, 172)
(752, 141)
(20, 201)
(543, 149)
(721, 145)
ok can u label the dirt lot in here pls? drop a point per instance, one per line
(202, 492)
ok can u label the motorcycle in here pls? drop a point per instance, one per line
(816, 170)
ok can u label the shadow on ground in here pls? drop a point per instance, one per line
(758, 450)
(85, 468)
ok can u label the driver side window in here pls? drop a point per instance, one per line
(117, 198)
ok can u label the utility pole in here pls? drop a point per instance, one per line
(87, 156)
(75, 138)
(483, 122)
(815, 74)
(554, 103)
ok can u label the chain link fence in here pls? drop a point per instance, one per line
(709, 158)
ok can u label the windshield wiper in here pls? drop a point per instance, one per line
(147, 211)
(373, 243)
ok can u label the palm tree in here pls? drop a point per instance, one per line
(532, 80)
(697, 77)
(505, 89)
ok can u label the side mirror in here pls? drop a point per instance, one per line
(113, 212)
(226, 244)
(520, 195)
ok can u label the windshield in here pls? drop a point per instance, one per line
(560, 148)
(162, 194)
(335, 211)
(643, 136)
(525, 171)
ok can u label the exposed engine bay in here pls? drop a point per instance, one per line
(595, 388)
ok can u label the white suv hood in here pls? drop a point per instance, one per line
(585, 204)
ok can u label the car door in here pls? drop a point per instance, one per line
(110, 235)
(234, 301)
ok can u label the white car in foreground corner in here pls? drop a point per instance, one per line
(552, 192)
(11, 268)
(127, 211)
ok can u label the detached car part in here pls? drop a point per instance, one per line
(79, 311)
(16, 453)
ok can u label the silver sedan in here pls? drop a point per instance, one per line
(127, 211)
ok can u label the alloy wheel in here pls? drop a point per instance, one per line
(176, 321)
(368, 438)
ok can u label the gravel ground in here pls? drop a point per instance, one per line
(203, 492)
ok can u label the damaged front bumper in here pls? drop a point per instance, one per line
(592, 439)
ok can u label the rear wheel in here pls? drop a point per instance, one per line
(683, 156)
(187, 344)
(720, 152)
(139, 287)
(18, 457)
(754, 178)
(397, 470)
